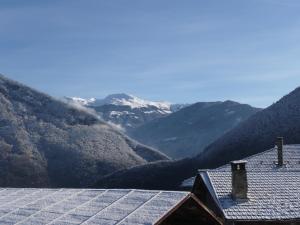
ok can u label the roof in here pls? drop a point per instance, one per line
(271, 195)
(85, 206)
(265, 161)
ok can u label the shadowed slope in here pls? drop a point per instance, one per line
(187, 132)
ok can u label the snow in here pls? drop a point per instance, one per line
(118, 113)
(124, 100)
(230, 112)
(85, 206)
(171, 139)
(272, 195)
(81, 101)
(263, 161)
(188, 182)
(132, 101)
(150, 112)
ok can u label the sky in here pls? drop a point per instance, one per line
(173, 50)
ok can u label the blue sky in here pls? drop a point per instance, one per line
(174, 50)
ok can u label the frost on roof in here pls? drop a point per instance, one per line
(84, 206)
(265, 161)
(272, 195)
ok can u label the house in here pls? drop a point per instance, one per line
(264, 190)
(261, 189)
(241, 197)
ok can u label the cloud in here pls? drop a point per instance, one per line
(116, 126)
(82, 108)
(91, 111)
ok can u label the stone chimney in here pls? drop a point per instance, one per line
(239, 180)
(279, 144)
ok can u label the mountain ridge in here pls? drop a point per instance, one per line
(256, 134)
(188, 131)
(123, 100)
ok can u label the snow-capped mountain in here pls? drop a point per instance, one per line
(127, 111)
(133, 102)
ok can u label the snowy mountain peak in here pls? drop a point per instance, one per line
(123, 100)
(133, 102)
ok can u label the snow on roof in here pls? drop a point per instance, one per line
(188, 182)
(264, 161)
(271, 195)
(85, 206)
(267, 160)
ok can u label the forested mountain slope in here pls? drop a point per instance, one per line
(45, 142)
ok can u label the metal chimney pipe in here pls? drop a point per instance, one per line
(279, 144)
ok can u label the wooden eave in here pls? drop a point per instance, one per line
(198, 202)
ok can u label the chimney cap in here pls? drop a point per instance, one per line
(238, 162)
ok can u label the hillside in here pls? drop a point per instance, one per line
(47, 143)
(187, 132)
(259, 132)
(256, 134)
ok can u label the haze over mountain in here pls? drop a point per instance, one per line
(254, 135)
(45, 142)
(127, 111)
(187, 132)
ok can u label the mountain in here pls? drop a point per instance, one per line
(187, 132)
(48, 143)
(178, 130)
(259, 132)
(256, 134)
(122, 100)
(127, 111)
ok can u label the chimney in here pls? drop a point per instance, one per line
(239, 179)
(279, 144)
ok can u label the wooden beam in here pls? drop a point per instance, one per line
(189, 211)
